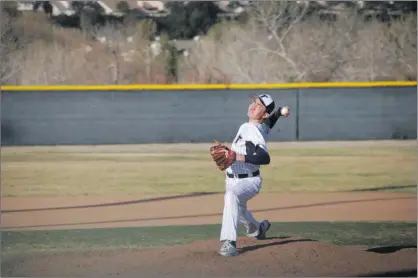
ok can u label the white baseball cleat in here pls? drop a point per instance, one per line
(228, 249)
(264, 227)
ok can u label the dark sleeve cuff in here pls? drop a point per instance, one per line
(256, 155)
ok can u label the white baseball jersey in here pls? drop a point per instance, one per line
(255, 133)
(240, 190)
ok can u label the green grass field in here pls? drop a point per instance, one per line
(174, 169)
(340, 233)
(129, 170)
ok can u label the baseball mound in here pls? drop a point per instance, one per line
(272, 257)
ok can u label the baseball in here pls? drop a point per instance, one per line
(284, 111)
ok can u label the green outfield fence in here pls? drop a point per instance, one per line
(176, 113)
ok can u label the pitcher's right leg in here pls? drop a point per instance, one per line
(245, 190)
(247, 219)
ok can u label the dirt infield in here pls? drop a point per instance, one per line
(272, 257)
(92, 212)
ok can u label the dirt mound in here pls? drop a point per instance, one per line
(271, 257)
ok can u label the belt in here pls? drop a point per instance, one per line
(243, 176)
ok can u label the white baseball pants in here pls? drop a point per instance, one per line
(237, 193)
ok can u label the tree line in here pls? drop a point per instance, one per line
(272, 41)
(197, 17)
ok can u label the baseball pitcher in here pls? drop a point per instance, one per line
(242, 163)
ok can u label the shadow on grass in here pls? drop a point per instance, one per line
(258, 246)
(398, 273)
(275, 237)
(390, 249)
(388, 187)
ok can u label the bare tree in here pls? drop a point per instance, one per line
(401, 37)
(8, 67)
(282, 42)
(55, 55)
(277, 18)
(382, 52)
(114, 41)
(321, 48)
(255, 52)
(131, 50)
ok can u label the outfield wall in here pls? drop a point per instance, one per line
(128, 115)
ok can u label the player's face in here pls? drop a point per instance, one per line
(256, 110)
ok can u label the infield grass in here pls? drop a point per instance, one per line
(340, 233)
(186, 168)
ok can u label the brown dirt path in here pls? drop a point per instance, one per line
(91, 212)
(275, 257)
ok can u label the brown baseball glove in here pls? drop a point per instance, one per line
(222, 155)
